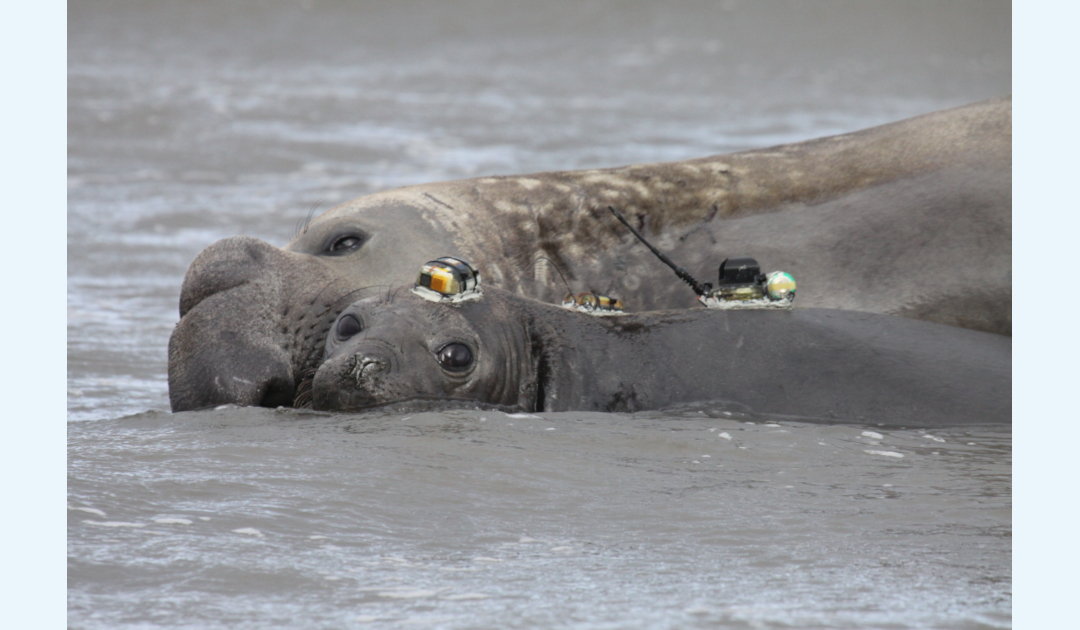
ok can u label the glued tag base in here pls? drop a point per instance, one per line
(734, 305)
(591, 311)
(435, 296)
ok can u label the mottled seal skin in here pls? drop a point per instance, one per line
(819, 364)
(911, 218)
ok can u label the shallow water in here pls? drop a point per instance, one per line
(472, 519)
(190, 122)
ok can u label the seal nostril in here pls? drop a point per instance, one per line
(369, 367)
(279, 392)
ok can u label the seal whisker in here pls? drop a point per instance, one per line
(304, 394)
(301, 227)
(331, 283)
(348, 295)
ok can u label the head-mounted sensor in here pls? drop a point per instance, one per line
(448, 280)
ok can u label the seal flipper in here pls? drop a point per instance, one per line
(541, 389)
(542, 341)
(541, 367)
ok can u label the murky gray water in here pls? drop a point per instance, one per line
(190, 122)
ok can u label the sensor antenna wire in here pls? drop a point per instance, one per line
(552, 264)
(684, 275)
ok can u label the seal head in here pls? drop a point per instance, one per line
(401, 347)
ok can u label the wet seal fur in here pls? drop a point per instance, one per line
(911, 218)
(817, 364)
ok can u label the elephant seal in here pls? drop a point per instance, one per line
(911, 218)
(518, 354)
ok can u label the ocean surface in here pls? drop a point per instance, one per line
(191, 122)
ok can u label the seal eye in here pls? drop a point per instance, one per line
(455, 356)
(344, 244)
(348, 326)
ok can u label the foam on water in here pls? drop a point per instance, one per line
(114, 524)
(886, 453)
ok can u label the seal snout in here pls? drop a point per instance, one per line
(353, 381)
(365, 366)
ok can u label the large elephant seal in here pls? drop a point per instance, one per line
(518, 354)
(911, 218)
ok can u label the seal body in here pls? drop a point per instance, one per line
(911, 218)
(818, 364)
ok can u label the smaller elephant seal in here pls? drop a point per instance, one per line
(517, 354)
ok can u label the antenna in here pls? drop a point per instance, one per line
(684, 275)
(553, 266)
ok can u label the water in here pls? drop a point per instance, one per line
(470, 519)
(190, 122)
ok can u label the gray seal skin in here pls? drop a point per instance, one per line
(523, 355)
(911, 218)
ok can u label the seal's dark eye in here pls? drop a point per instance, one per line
(344, 244)
(348, 326)
(455, 356)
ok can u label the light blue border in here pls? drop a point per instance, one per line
(33, 46)
(1046, 245)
